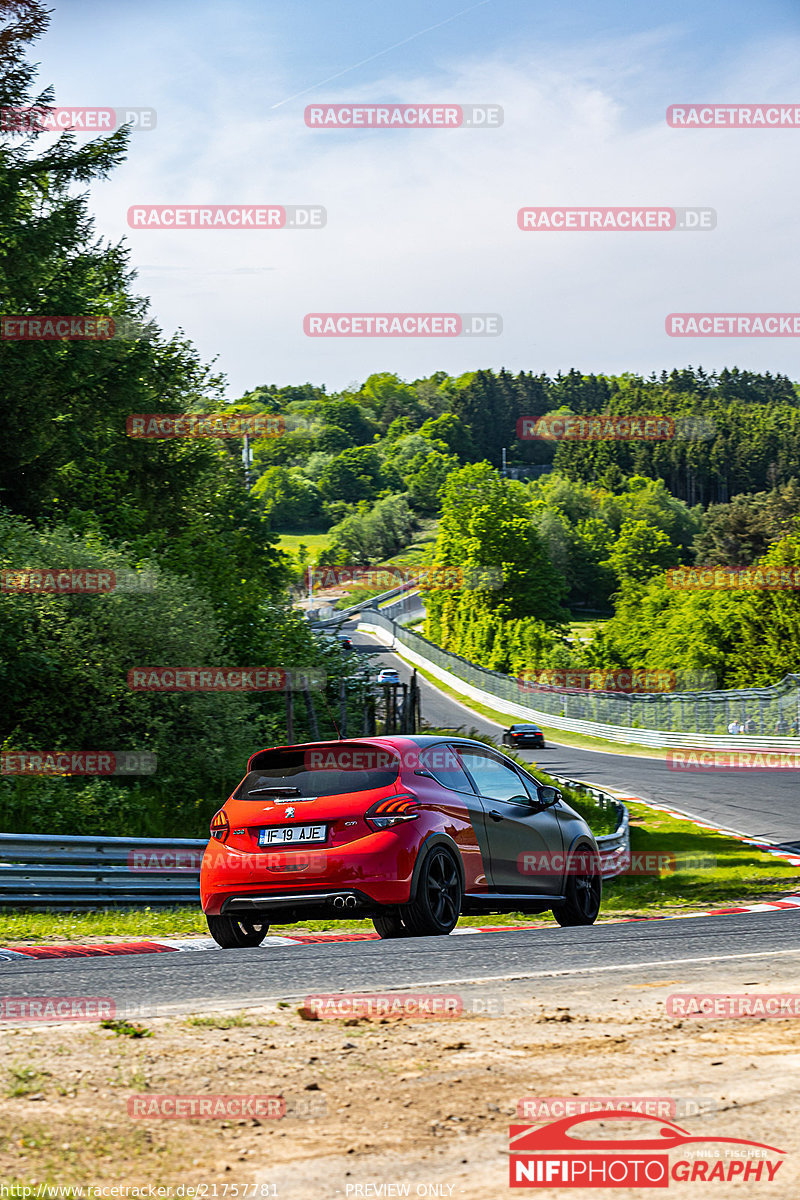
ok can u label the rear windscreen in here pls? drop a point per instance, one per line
(319, 771)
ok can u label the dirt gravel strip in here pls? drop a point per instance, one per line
(421, 1107)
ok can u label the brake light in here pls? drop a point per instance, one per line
(394, 810)
(220, 826)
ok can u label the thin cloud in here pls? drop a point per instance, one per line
(380, 53)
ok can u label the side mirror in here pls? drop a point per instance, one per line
(422, 771)
(548, 796)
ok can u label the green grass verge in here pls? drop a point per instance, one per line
(410, 558)
(723, 872)
(585, 628)
(314, 541)
(134, 924)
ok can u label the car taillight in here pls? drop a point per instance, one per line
(220, 826)
(394, 810)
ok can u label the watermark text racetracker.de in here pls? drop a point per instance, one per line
(43, 118)
(734, 116)
(57, 1008)
(224, 679)
(699, 759)
(741, 324)
(53, 581)
(47, 327)
(227, 216)
(734, 1005)
(433, 578)
(213, 1108)
(403, 116)
(627, 680)
(379, 1006)
(557, 864)
(614, 427)
(720, 578)
(630, 219)
(156, 860)
(78, 762)
(551, 1108)
(204, 425)
(405, 324)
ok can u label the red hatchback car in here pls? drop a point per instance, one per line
(411, 831)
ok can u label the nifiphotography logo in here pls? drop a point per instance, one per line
(558, 1155)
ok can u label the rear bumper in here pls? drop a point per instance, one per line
(376, 871)
(293, 906)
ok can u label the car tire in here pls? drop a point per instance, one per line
(584, 892)
(390, 924)
(436, 906)
(234, 932)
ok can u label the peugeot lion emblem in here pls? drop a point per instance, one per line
(290, 812)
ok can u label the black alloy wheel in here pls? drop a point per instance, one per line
(436, 906)
(390, 924)
(584, 892)
(233, 932)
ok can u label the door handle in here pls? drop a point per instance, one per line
(495, 815)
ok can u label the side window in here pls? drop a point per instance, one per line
(531, 787)
(493, 778)
(445, 768)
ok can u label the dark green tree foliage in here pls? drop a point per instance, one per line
(491, 570)
(65, 404)
(750, 439)
(372, 534)
(747, 636)
(347, 415)
(739, 532)
(596, 535)
(291, 501)
(64, 662)
(356, 474)
(334, 439)
(79, 492)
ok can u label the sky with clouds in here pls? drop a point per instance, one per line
(426, 220)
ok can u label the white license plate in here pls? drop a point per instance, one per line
(295, 834)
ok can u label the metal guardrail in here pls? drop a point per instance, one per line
(341, 614)
(614, 847)
(40, 871)
(503, 693)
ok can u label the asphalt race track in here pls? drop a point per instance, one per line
(760, 804)
(550, 962)
(546, 961)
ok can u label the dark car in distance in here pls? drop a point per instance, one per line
(524, 735)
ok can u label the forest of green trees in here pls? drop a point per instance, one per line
(589, 526)
(77, 492)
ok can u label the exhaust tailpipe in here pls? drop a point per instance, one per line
(350, 902)
(338, 902)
